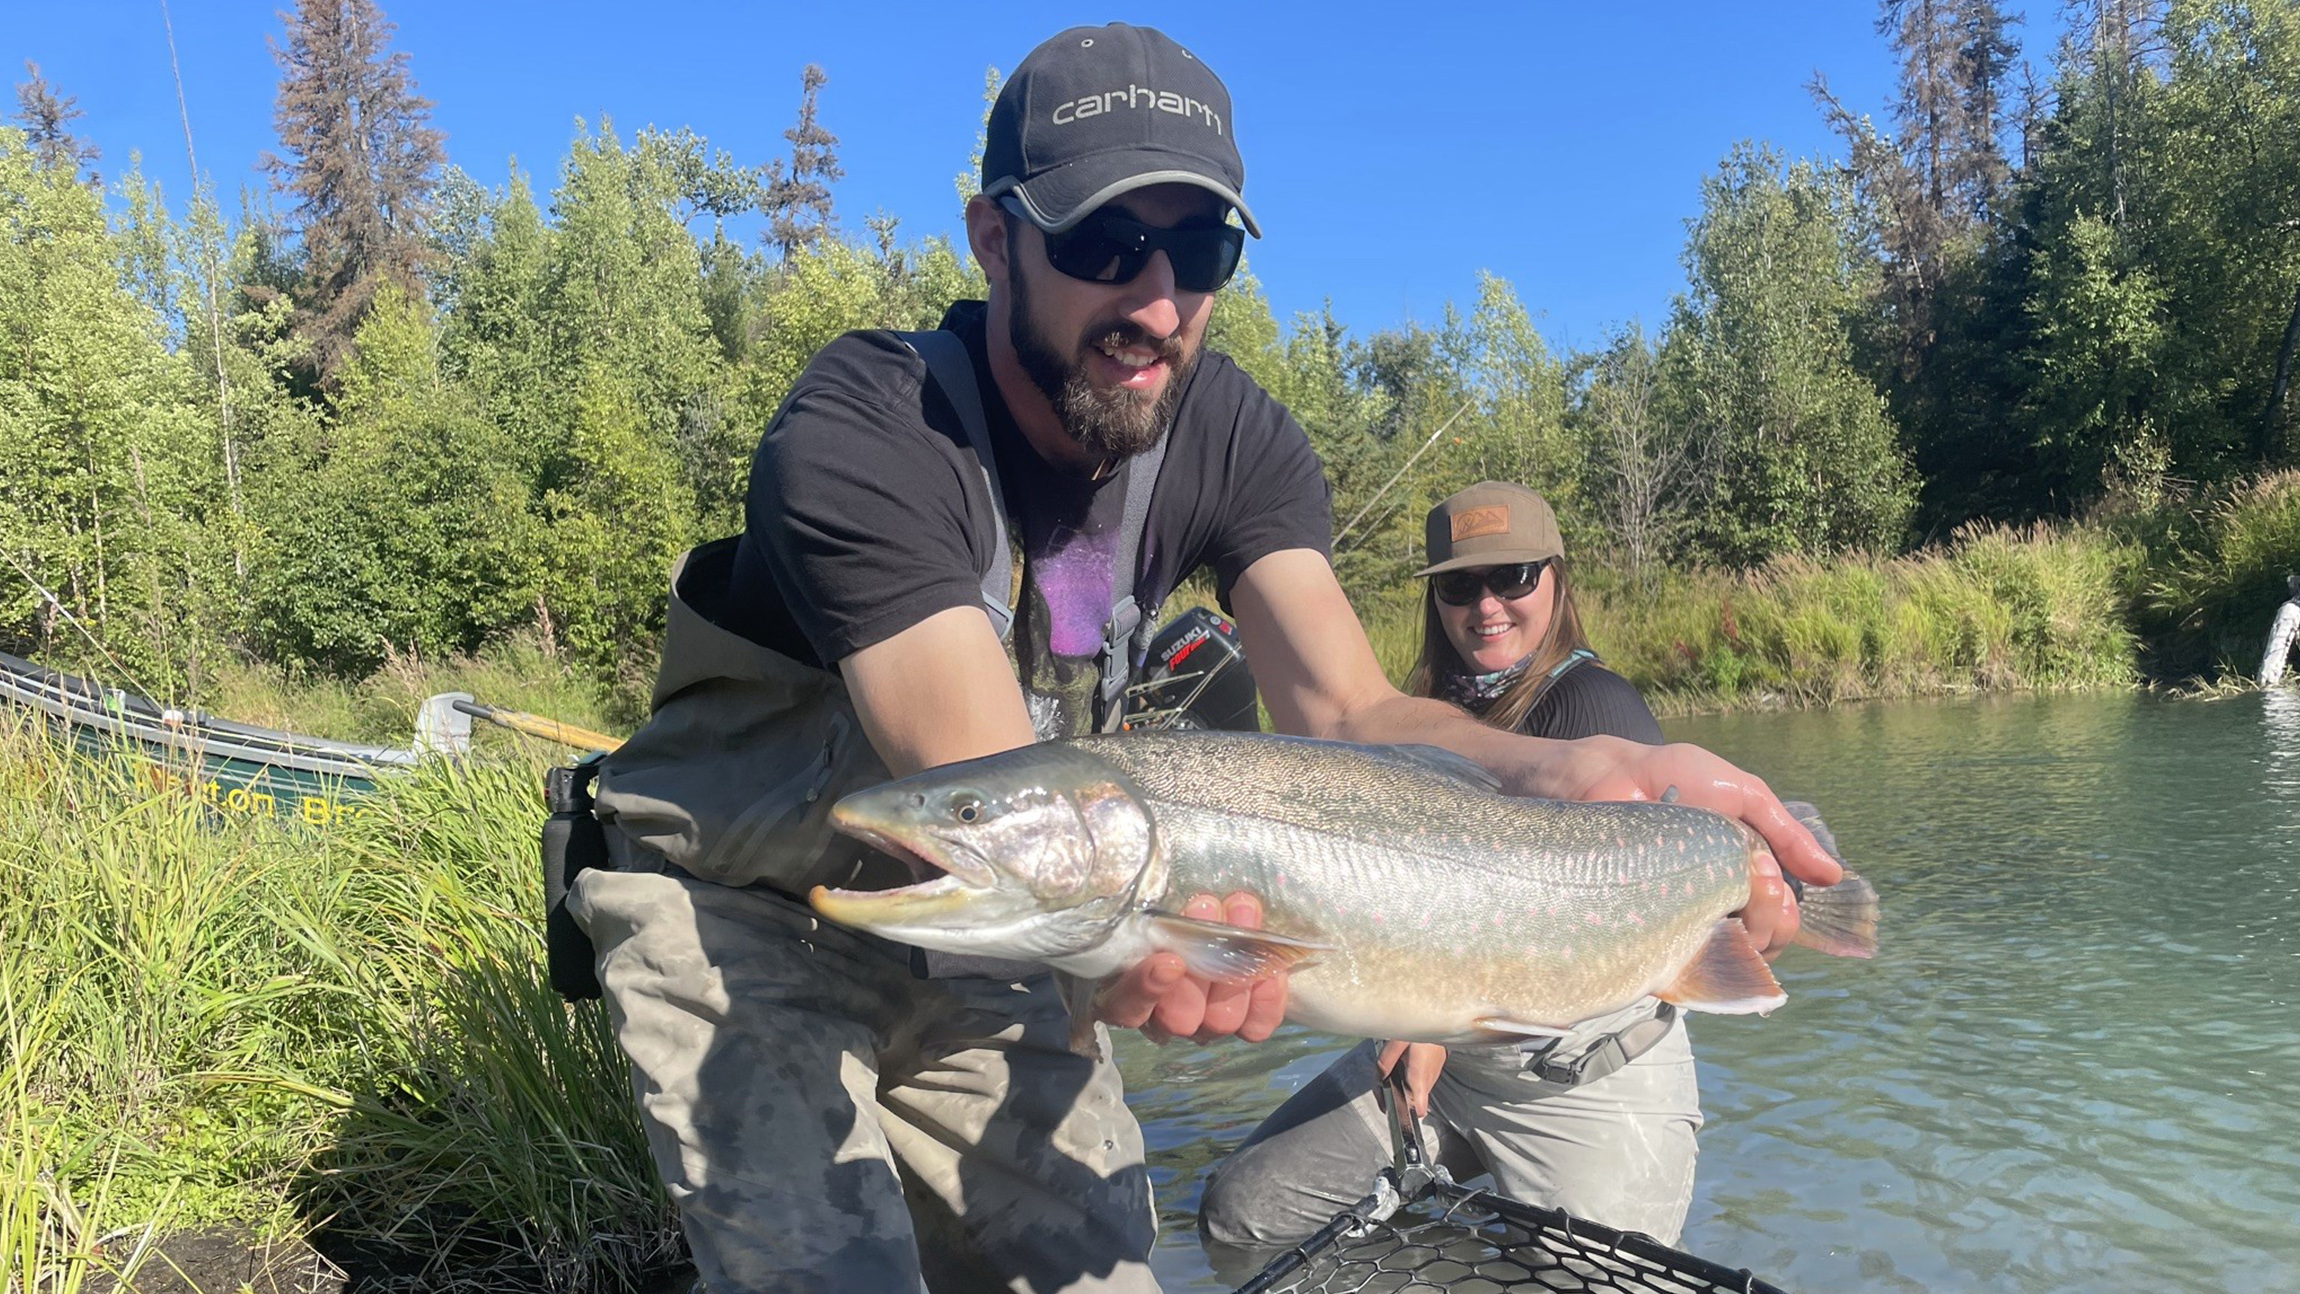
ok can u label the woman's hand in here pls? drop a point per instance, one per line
(1609, 768)
(1424, 1061)
(1165, 1001)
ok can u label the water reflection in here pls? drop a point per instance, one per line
(2068, 1070)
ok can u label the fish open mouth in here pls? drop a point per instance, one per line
(943, 880)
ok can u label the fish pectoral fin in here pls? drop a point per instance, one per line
(1518, 1028)
(1078, 994)
(1222, 952)
(1727, 977)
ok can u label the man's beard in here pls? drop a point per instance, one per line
(1109, 423)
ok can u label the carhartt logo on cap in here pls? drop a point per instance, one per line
(1480, 521)
(1137, 96)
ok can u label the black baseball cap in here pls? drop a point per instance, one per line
(1100, 111)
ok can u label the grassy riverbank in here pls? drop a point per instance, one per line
(236, 1021)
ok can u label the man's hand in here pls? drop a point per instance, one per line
(1424, 1061)
(1165, 1001)
(1608, 768)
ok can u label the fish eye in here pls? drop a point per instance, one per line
(966, 807)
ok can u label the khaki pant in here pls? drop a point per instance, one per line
(828, 1123)
(1617, 1150)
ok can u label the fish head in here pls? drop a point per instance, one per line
(1034, 853)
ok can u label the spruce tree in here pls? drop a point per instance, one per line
(797, 201)
(47, 120)
(361, 162)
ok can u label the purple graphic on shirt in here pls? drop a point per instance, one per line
(1074, 578)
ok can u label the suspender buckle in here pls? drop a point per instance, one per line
(1608, 1053)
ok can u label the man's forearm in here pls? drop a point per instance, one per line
(1527, 765)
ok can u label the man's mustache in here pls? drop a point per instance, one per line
(1125, 334)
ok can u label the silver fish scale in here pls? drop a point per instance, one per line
(1443, 901)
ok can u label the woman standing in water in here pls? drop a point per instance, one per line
(1599, 1123)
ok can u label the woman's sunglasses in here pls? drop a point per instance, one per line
(1509, 583)
(1106, 247)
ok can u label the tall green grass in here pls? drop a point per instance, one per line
(341, 1030)
(2209, 602)
(2044, 609)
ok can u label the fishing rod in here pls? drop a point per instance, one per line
(74, 621)
(1394, 476)
(215, 314)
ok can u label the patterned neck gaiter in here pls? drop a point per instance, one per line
(1476, 693)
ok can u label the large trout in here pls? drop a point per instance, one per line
(1406, 895)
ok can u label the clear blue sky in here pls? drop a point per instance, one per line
(1392, 151)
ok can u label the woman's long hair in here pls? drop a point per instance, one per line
(1438, 658)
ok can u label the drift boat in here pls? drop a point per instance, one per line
(244, 769)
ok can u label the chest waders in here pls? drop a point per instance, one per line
(732, 778)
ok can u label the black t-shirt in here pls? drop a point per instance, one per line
(1590, 700)
(858, 523)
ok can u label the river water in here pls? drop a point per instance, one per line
(2072, 1067)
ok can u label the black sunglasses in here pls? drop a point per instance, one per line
(1509, 583)
(1107, 247)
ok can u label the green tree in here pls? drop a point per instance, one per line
(1758, 360)
(405, 524)
(1644, 473)
(103, 455)
(1515, 429)
(616, 523)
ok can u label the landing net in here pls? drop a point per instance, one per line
(1420, 1231)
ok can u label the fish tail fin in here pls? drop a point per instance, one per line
(1840, 919)
(1727, 977)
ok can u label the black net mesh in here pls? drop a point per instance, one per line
(1473, 1242)
(1419, 1230)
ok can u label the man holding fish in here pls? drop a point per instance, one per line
(951, 538)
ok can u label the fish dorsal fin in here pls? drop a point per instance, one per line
(1727, 977)
(1445, 763)
(1224, 952)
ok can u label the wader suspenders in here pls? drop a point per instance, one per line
(1126, 634)
(1607, 1054)
(953, 370)
(1576, 657)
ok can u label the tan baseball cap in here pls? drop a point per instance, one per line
(1492, 523)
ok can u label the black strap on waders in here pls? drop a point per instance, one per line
(1608, 1053)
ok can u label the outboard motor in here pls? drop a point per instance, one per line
(1195, 677)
